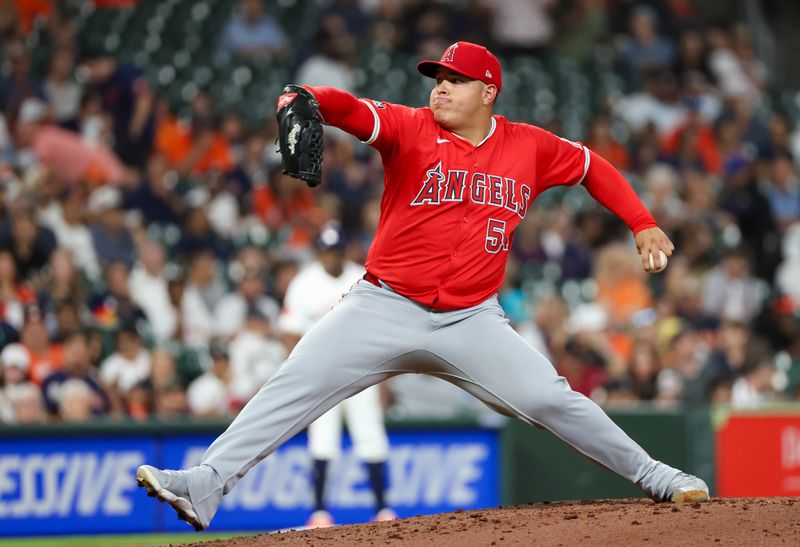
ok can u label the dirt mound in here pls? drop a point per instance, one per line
(729, 521)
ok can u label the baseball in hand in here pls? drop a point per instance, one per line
(662, 262)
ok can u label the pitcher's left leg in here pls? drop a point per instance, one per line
(491, 361)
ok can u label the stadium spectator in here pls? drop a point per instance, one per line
(151, 196)
(14, 293)
(734, 65)
(170, 402)
(621, 288)
(222, 207)
(211, 395)
(742, 198)
(788, 275)
(67, 222)
(163, 369)
(75, 402)
(657, 104)
(112, 240)
(63, 94)
(646, 50)
(148, 287)
(14, 365)
(643, 370)
(64, 153)
(602, 142)
(587, 358)
(29, 244)
(233, 308)
(27, 405)
(114, 306)
(783, 191)
(77, 366)
(195, 145)
(730, 291)
(18, 83)
(753, 388)
(197, 234)
(332, 62)
(126, 96)
(125, 368)
(693, 145)
(46, 357)
(581, 27)
(521, 26)
(692, 56)
(253, 33)
(60, 286)
(255, 353)
(662, 195)
(201, 295)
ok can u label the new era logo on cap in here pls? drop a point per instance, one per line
(472, 60)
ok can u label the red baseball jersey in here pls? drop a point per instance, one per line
(450, 208)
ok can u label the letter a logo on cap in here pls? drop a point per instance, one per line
(449, 54)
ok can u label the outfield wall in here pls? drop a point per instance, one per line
(79, 479)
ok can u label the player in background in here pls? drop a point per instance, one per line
(312, 294)
(458, 179)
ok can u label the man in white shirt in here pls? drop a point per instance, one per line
(255, 355)
(202, 294)
(149, 290)
(126, 367)
(211, 395)
(231, 312)
(311, 294)
(67, 223)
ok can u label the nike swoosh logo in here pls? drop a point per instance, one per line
(440, 141)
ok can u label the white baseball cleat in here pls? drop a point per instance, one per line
(320, 519)
(384, 515)
(171, 488)
(686, 488)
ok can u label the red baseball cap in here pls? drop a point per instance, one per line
(468, 59)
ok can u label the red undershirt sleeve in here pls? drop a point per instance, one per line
(341, 109)
(607, 185)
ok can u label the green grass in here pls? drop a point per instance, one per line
(132, 540)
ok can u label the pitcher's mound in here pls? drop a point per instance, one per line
(726, 521)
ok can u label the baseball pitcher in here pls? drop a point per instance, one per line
(458, 180)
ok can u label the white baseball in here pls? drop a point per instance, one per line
(662, 261)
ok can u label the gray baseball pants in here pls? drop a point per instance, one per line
(374, 334)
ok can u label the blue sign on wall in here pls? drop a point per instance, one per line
(427, 472)
(86, 485)
(81, 485)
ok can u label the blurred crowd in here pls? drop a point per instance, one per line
(146, 247)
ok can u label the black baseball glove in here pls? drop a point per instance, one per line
(300, 134)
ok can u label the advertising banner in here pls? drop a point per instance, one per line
(67, 485)
(86, 485)
(759, 455)
(427, 472)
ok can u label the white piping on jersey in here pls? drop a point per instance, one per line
(377, 127)
(486, 138)
(585, 163)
